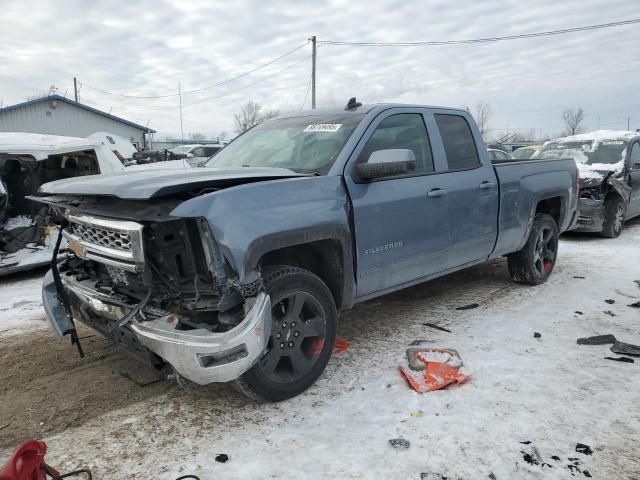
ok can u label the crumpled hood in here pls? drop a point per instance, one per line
(145, 184)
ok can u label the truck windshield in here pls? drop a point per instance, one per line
(588, 152)
(303, 144)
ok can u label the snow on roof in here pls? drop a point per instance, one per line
(41, 146)
(35, 141)
(599, 135)
(593, 170)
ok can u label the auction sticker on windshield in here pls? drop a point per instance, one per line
(323, 127)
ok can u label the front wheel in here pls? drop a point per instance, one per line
(534, 263)
(614, 216)
(303, 334)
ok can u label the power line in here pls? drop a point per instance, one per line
(306, 94)
(250, 84)
(185, 92)
(481, 40)
(203, 100)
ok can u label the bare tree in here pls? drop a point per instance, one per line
(482, 115)
(573, 120)
(531, 135)
(198, 137)
(528, 136)
(249, 115)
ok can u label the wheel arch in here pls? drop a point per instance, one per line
(325, 251)
(554, 205)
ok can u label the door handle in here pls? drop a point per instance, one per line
(437, 192)
(487, 185)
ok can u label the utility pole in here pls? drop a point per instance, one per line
(75, 89)
(313, 72)
(628, 123)
(180, 95)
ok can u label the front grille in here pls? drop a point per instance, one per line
(117, 243)
(102, 236)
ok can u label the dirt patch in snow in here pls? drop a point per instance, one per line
(45, 387)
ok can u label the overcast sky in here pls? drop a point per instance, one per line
(147, 47)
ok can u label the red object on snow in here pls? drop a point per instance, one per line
(27, 463)
(318, 344)
(437, 374)
(341, 346)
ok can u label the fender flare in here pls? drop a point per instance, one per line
(276, 241)
(534, 207)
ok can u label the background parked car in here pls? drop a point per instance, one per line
(197, 154)
(523, 153)
(27, 161)
(609, 166)
(498, 155)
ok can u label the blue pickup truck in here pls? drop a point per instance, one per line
(237, 271)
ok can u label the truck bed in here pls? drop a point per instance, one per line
(523, 184)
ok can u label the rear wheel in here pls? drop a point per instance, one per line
(303, 335)
(614, 216)
(534, 263)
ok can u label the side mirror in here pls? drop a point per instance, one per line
(189, 155)
(387, 163)
(635, 166)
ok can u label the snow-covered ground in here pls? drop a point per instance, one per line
(548, 391)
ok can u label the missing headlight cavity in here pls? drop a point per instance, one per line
(222, 358)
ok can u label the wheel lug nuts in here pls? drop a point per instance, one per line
(284, 324)
(290, 344)
(282, 345)
(278, 335)
(293, 324)
(296, 334)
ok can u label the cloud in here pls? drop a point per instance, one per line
(147, 48)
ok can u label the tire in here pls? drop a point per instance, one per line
(301, 341)
(615, 210)
(533, 264)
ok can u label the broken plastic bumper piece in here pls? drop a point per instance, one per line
(591, 215)
(198, 355)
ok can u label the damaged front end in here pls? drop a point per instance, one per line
(159, 287)
(594, 191)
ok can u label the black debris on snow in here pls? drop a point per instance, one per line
(469, 307)
(621, 359)
(582, 448)
(399, 443)
(437, 327)
(597, 340)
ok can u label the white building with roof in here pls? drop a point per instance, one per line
(57, 115)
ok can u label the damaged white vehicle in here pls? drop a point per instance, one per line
(609, 166)
(27, 161)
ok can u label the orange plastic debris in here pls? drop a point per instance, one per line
(339, 347)
(437, 374)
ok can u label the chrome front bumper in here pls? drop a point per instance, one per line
(198, 355)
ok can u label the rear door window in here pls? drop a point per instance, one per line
(459, 145)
